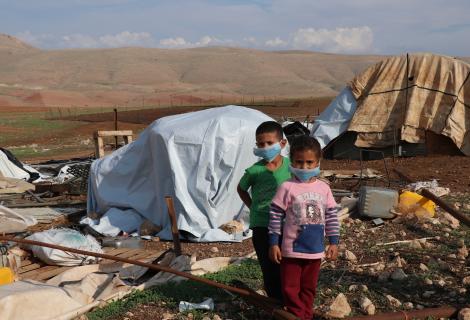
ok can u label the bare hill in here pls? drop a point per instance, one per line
(136, 76)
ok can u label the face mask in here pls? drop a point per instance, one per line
(305, 174)
(268, 153)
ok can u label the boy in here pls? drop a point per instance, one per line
(263, 178)
(303, 211)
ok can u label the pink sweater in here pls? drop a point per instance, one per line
(303, 213)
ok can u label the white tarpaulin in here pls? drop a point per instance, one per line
(197, 158)
(10, 170)
(334, 120)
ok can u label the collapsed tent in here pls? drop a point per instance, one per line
(11, 167)
(402, 99)
(197, 158)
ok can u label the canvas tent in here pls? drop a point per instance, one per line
(197, 158)
(402, 98)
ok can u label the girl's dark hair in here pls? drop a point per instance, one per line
(303, 143)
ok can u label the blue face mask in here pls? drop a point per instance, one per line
(305, 174)
(268, 153)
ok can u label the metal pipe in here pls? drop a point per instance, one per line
(251, 296)
(174, 225)
(440, 312)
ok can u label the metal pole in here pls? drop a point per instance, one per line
(116, 126)
(174, 225)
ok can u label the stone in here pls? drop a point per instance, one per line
(214, 249)
(190, 316)
(423, 267)
(428, 294)
(398, 275)
(353, 288)
(408, 306)
(403, 233)
(428, 281)
(449, 220)
(383, 277)
(340, 307)
(441, 283)
(380, 266)
(462, 291)
(232, 227)
(168, 316)
(129, 314)
(452, 256)
(147, 228)
(364, 288)
(216, 317)
(464, 314)
(462, 252)
(367, 306)
(206, 318)
(348, 255)
(393, 302)
(415, 244)
(466, 281)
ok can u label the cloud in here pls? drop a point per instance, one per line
(339, 40)
(127, 38)
(276, 43)
(180, 42)
(36, 40)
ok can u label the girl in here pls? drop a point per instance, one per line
(302, 212)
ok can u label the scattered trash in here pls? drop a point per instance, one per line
(12, 222)
(207, 304)
(432, 186)
(121, 242)
(413, 203)
(68, 238)
(115, 221)
(378, 221)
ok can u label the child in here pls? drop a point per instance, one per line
(302, 212)
(263, 178)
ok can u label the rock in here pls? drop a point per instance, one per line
(216, 317)
(168, 316)
(383, 277)
(129, 314)
(464, 314)
(428, 281)
(367, 306)
(393, 302)
(419, 307)
(364, 288)
(466, 281)
(206, 318)
(423, 267)
(398, 275)
(232, 227)
(340, 307)
(428, 294)
(348, 255)
(408, 306)
(353, 288)
(380, 266)
(462, 291)
(461, 242)
(214, 249)
(449, 220)
(441, 283)
(415, 244)
(462, 252)
(452, 256)
(190, 316)
(403, 233)
(443, 265)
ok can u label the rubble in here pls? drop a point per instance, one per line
(340, 307)
(367, 306)
(348, 255)
(393, 302)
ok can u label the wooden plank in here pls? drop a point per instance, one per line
(47, 274)
(112, 133)
(30, 267)
(33, 273)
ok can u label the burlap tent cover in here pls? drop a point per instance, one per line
(400, 98)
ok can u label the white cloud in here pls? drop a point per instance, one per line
(276, 43)
(127, 38)
(339, 40)
(79, 41)
(180, 42)
(36, 40)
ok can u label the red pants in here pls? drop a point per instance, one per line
(299, 279)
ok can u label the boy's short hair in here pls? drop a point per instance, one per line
(268, 127)
(302, 143)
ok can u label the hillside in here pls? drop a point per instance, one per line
(137, 76)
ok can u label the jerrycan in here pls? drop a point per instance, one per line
(376, 202)
(6, 276)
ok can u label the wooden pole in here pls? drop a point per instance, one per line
(116, 126)
(251, 296)
(441, 203)
(174, 225)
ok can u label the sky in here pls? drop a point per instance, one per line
(333, 26)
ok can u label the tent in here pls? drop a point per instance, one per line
(401, 100)
(11, 167)
(197, 158)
